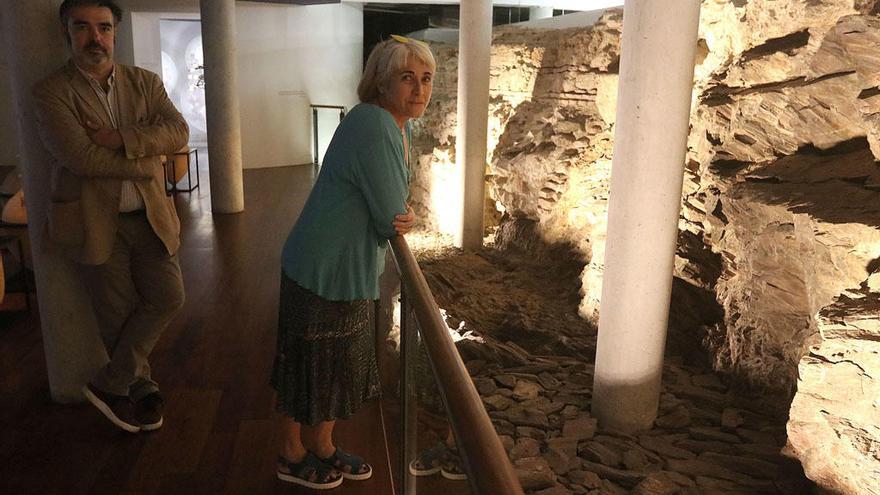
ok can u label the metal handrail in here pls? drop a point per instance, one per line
(485, 460)
(337, 107)
(315, 108)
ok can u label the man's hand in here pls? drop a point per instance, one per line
(404, 223)
(103, 136)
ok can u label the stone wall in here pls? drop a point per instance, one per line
(781, 201)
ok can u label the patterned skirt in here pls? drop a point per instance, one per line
(325, 362)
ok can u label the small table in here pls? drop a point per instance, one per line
(171, 186)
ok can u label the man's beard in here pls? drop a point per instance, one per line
(91, 47)
(96, 56)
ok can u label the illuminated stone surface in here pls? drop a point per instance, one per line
(835, 417)
(780, 205)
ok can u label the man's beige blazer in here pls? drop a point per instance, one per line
(87, 178)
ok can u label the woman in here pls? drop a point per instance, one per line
(325, 365)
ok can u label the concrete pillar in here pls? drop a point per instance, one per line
(221, 101)
(474, 43)
(650, 139)
(71, 340)
(540, 13)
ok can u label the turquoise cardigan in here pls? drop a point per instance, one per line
(336, 249)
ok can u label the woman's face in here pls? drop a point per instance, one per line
(409, 91)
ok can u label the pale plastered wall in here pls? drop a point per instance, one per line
(289, 56)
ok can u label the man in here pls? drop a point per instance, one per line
(105, 126)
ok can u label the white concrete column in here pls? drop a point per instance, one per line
(650, 139)
(540, 13)
(71, 340)
(221, 101)
(474, 44)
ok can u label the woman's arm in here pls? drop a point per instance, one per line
(381, 176)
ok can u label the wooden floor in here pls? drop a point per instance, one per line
(212, 363)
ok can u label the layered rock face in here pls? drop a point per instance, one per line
(786, 192)
(835, 421)
(780, 207)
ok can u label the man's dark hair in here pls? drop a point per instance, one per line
(67, 5)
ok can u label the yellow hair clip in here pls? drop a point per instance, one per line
(403, 39)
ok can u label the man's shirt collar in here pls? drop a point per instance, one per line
(110, 80)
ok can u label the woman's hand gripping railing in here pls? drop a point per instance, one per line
(488, 468)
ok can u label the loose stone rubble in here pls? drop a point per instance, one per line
(531, 361)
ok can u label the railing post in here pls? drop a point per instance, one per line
(315, 132)
(409, 419)
(315, 108)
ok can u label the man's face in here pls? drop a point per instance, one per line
(92, 34)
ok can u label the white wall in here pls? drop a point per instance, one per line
(289, 56)
(146, 41)
(146, 23)
(124, 50)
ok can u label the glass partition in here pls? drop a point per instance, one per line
(436, 398)
(429, 459)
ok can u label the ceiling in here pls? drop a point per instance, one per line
(444, 13)
(575, 5)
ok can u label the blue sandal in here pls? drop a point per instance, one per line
(451, 467)
(351, 467)
(309, 472)
(429, 461)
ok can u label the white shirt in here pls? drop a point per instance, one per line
(129, 198)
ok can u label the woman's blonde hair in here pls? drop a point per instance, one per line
(386, 59)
